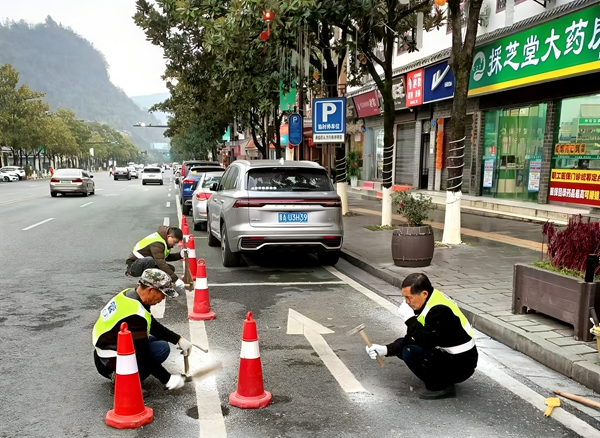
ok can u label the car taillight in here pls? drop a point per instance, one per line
(261, 202)
(77, 180)
(202, 196)
(189, 181)
(54, 180)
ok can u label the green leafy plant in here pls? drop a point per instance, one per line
(414, 208)
(354, 164)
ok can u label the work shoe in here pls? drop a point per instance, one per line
(113, 377)
(428, 394)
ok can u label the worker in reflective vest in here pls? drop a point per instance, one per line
(439, 346)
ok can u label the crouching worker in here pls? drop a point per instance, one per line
(439, 346)
(150, 338)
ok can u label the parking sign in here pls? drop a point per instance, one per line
(329, 120)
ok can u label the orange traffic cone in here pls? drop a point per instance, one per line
(191, 248)
(186, 232)
(250, 392)
(201, 310)
(183, 221)
(129, 411)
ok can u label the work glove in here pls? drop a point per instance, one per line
(405, 311)
(175, 382)
(185, 345)
(179, 285)
(376, 349)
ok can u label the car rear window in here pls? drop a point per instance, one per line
(152, 170)
(67, 172)
(195, 171)
(289, 180)
(210, 180)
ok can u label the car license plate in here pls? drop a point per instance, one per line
(65, 182)
(293, 217)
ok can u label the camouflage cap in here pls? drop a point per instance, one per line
(159, 280)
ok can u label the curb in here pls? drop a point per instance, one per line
(548, 354)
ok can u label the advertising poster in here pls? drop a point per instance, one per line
(575, 186)
(367, 104)
(535, 170)
(488, 173)
(414, 88)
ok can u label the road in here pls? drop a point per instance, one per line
(63, 258)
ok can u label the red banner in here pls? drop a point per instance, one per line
(414, 88)
(575, 186)
(367, 104)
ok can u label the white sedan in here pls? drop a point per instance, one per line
(201, 195)
(8, 176)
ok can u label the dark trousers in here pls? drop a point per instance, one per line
(436, 368)
(159, 351)
(140, 265)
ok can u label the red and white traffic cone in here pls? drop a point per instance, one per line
(201, 310)
(129, 411)
(250, 392)
(183, 221)
(186, 233)
(191, 249)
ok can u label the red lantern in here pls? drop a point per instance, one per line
(440, 2)
(268, 16)
(264, 35)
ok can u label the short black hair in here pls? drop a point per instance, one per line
(418, 282)
(175, 232)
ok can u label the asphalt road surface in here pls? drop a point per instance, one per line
(62, 259)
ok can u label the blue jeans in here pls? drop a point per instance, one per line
(159, 350)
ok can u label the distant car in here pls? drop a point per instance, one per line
(72, 181)
(201, 196)
(152, 175)
(185, 196)
(121, 173)
(268, 205)
(17, 169)
(8, 176)
(133, 172)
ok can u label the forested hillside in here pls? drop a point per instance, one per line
(73, 74)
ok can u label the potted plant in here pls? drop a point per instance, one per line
(555, 286)
(353, 167)
(413, 242)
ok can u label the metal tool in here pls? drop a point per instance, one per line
(187, 275)
(577, 398)
(551, 402)
(360, 329)
(200, 348)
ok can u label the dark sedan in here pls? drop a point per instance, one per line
(121, 173)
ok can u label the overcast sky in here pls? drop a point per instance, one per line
(135, 64)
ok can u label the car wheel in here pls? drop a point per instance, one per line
(197, 226)
(229, 259)
(128, 178)
(85, 194)
(143, 183)
(185, 210)
(328, 258)
(93, 191)
(210, 239)
(161, 183)
(53, 194)
(6, 179)
(116, 178)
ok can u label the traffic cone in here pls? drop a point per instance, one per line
(183, 221)
(250, 392)
(186, 233)
(191, 258)
(129, 411)
(201, 310)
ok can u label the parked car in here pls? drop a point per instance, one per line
(152, 175)
(187, 165)
(8, 176)
(121, 173)
(269, 205)
(133, 172)
(17, 169)
(201, 195)
(72, 181)
(194, 173)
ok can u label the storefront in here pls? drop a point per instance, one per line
(367, 109)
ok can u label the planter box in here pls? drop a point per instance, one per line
(565, 298)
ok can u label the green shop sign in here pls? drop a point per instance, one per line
(566, 46)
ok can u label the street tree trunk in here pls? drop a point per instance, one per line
(461, 60)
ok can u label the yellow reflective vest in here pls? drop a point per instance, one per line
(148, 240)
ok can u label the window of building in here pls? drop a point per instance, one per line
(501, 4)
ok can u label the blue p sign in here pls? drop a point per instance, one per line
(329, 120)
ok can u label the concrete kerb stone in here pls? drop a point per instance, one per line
(587, 374)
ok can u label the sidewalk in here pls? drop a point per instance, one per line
(478, 275)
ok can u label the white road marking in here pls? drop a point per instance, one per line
(85, 205)
(299, 324)
(210, 415)
(145, 190)
(363, 290)
(39, 223)
(494, 372)
(166, 221)
(168, 204)
(284, 283)
(168, 194)
(99, 190)
(113, 194)
(122, 189)
(158, 310)
(12, 201)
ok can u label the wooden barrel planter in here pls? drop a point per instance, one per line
(412, 247)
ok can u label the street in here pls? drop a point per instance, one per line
(63, 258)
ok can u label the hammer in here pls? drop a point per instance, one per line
(360, 329)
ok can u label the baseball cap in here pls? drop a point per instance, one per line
(158, 279)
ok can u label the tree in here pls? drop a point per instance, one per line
(461, 61)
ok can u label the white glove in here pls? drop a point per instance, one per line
(375, 350)
(405, 311)
(185, 345)
(175, 382)
(179, 284)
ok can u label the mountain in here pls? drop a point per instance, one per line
(73, 74)
(146, 102)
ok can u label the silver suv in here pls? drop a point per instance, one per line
(269, 205)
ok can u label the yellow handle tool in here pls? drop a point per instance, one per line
(551, 402)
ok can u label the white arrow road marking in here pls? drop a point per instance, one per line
(85, 205)
(168, 204)
(299, 324)
(39, 223)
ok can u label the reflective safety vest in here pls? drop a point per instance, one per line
(438, 298)
(118, 308)
(154, 237)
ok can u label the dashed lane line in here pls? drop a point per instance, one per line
(39, 223)
(28, 198)
(168, 204)
(85, 205)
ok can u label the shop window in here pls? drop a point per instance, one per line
(501, 4)
(513, 141)
(575, 173)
